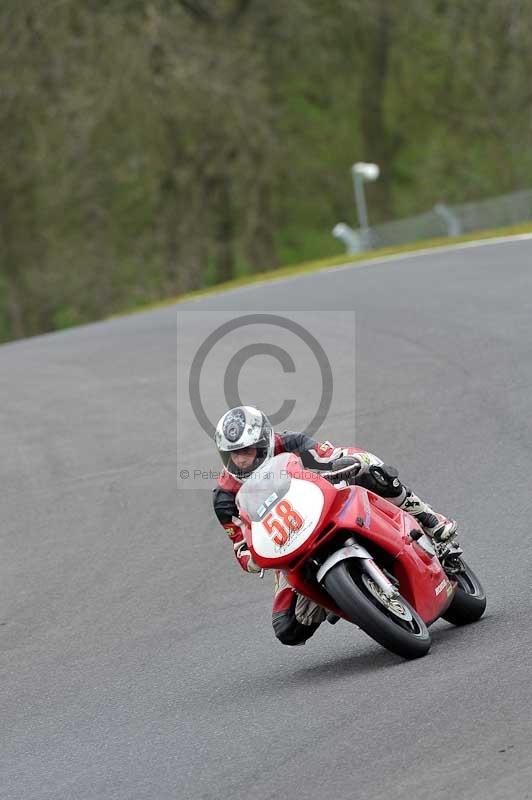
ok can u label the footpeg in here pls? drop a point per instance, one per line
(450, 548)
(450, 558)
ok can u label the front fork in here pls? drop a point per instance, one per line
(352, 549)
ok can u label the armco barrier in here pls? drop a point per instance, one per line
(442, 220)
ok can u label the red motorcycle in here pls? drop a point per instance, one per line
(356, 555)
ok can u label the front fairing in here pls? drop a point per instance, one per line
(270, 502)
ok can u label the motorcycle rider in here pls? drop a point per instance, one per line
(245, 440)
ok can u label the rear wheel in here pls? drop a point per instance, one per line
(391, 622)
(469, 601)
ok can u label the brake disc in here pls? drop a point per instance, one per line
(393, 604)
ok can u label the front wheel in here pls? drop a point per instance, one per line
(393, 623)
(469, 601)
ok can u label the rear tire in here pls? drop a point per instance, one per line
(408, 638)
(469, 601)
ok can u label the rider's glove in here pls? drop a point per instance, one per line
(252, 567)
(245, 558)
(345, 468)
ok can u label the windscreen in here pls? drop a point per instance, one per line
(264, 487)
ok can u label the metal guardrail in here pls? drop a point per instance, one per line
(442, 220)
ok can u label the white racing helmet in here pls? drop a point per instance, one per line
(244, 426)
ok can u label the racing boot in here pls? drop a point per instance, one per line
(434, 525)
(307, 612)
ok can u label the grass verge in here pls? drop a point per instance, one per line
(334, 261)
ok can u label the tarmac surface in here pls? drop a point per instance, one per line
(138, 661)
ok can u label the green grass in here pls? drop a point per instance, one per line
(333, 261)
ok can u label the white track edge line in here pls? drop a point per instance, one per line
(369, 262)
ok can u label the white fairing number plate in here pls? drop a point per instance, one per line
(289, 522)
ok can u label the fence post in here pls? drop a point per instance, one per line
(454, 227)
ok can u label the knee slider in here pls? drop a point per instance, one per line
(289, 631)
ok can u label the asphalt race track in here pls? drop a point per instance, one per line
(138, 661)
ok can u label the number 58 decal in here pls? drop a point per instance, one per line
(285, 522)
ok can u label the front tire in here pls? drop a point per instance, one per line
(469, 601)
(351, 589)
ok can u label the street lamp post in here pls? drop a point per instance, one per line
(362, 171)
